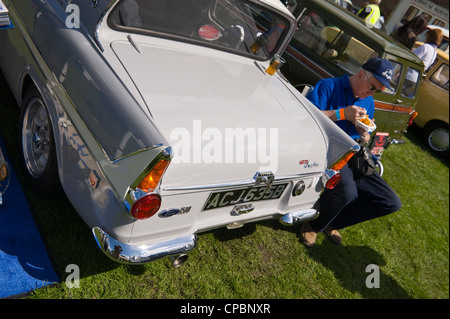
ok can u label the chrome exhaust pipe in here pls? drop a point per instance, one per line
(302, 216)
(179, 260)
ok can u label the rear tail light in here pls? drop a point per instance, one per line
(343, 160)
(142, 198)
(333, 181)
(147, 206)
(151, 180)
(412, 117)
(332, 177)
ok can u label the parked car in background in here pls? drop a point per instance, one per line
(159, 120)
(432, 106)
(331, 41)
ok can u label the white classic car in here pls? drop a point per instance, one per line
(159, 120)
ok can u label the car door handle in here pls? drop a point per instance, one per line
(398, 101)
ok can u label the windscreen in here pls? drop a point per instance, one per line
(237, 26)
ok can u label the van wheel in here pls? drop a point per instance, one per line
(37, 145)
(436, 138)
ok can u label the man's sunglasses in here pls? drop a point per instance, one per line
(371, 86)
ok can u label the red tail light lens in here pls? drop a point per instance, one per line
(412, 117)
(333, 181)
(147, 206)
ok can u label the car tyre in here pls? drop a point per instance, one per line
(37, 146)
(437, 139)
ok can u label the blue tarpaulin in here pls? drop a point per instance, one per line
(24, 261)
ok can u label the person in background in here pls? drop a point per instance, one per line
(407, 33)
(427, 52)
(371, 13)
(356, 198)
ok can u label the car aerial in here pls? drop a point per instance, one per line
(432, 106)
(331, 41)
(160, 122)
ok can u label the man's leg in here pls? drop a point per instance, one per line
(375, 199)
(331, 203)
(334, 200)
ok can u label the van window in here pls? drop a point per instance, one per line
(319, 37)
(395, 77)
(411, 83)
(440, 76)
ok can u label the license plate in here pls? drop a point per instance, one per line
(243, 195)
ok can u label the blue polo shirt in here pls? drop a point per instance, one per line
(336, 93)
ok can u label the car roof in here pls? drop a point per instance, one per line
(277, 4)
(358, 25)
(442, 54)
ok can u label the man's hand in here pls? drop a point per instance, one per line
(363, 134)
(353, 113)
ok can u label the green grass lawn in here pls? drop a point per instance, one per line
(266, 260)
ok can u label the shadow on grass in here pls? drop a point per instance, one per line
(348, 263)
(223, 234)
(415, 135)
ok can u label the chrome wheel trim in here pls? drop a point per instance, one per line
(36, 137)
(439, 140)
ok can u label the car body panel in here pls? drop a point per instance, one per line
(120, 101)
(433, 101)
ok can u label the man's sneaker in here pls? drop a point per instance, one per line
(333, 235)
(307, 235)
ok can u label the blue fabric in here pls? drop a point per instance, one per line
(336, 93)
(24, 262)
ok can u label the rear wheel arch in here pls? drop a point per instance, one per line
(27, 83)
(37, 142)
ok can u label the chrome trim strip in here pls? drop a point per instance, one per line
(248, 182)
(139, 254)
(99, 22)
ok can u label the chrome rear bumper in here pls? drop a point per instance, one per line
(139, 254)
(133, 254)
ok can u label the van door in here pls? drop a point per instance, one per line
(393, 108)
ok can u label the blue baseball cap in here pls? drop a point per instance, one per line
(381, 69)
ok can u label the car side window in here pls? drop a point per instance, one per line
(324, 39)
(440, 76)
(411, 82)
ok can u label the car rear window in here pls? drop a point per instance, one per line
(232, 25)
